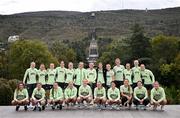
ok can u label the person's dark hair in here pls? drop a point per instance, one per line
(53, 89)
(128, 85)
(20, 83)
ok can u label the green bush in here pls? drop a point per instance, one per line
(7, 88)
(6, 92)
(172, 95)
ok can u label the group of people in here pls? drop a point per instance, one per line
(103, 87)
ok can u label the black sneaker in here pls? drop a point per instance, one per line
(34, 108)
(60, 107)
(43, 107)
(17, 108)
(25, 108)
(39, 108)
(53, 107)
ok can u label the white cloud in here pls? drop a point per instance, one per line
(16, 6)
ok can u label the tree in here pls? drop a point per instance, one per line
(139, 43)
(117, 49)
(164, 48)
(22, 52)
(165, 54)
(6, 93)
(63, 52)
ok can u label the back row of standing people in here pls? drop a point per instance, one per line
(106, 75)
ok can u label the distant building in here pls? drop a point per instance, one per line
(13, 38)
(93, 51)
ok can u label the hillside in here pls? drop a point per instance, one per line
(69, 25)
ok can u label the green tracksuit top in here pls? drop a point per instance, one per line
(91, 75)
(85, 90)
(51, 76)
(99, 92)
(38, 94)
(140, 93)
(126, 90)
(158, 94)
(21, 94)
(70, 92)
(118, 72)
(30, 76)
(60, 74)
(109, 75)
(128, 75)
(56, 94)
(148, 76)
(42, 76)
(136, 74)
(113, 94)
(80, 75)
(69, 75)
(100, 77)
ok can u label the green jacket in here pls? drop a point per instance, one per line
(118, 72)
(140, 93)
(42, 76)
(80, 75)
(61, 72)
(113, 94)
(147, 76)
(91, 75)
(51, 73)
(109, 75)
(70, 93)
(70, 75)
(85, 90)
(56, 94)
(100, 92)
(158, 94)
(21, 94)
(136, 74)
(128, 75)
(38, 94)
(30, 76)
(126, 90)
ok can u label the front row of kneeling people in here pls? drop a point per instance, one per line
(100, 96)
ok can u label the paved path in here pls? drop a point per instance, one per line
(171, 111)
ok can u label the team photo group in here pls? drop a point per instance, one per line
(101, 87)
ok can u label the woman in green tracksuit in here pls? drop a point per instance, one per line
(80, 75)
(51, 76)
(56, 96)
(118, 73)
(100, 94)
(91, 76)
(113, 95)
(126, 93)
(61, 73)
(38, 97)
(42, 75)
(136, 73)
(128, 73)
(30, 78)
(70, 72)
(101, 74)
(109, 76)
(85, 92)
(140, 95)
(147, 77)
(21, 97)
(70, 93)
(158, 97)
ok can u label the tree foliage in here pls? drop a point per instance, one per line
(139, 43)
(22, 52)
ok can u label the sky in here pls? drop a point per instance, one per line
(19, 6)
